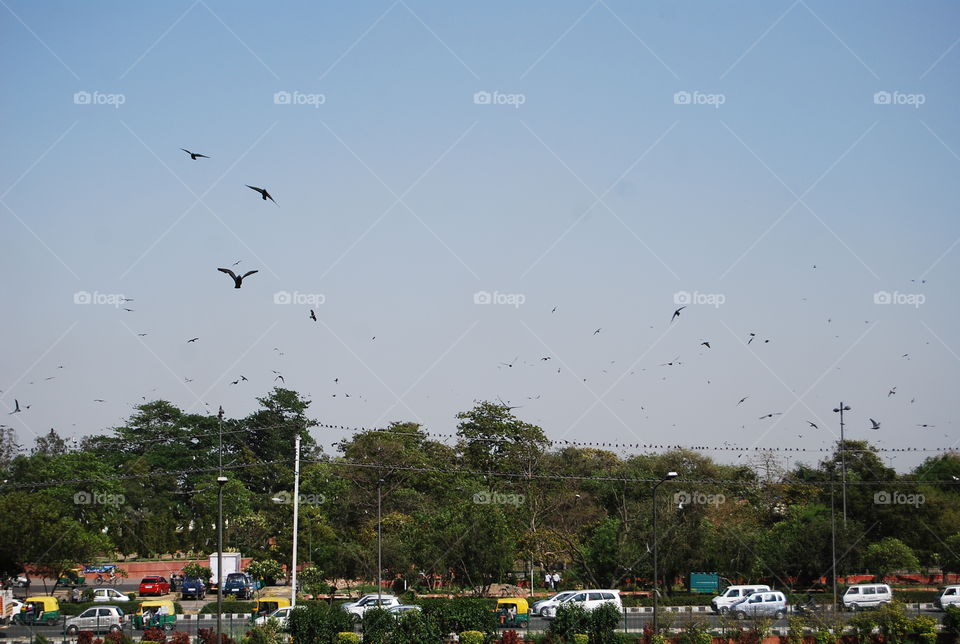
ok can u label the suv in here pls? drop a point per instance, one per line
(761, 604)
(588, 599)
(239, 584)
(949, 596)
(192, 589)
(362, 605)
(97, 619)
(537, 607)
(861, 596)
(154, 585)
(733, 594)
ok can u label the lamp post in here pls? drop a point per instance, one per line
(296, 507)
(221, 479)
(379, 546)
(656, 579)
(843, 460)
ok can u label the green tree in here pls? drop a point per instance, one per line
(887, 555)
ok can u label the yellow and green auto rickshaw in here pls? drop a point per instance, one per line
(41, 609)
(155, 613)
(266, 605)
(513, 612)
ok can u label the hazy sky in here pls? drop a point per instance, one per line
(449, 173)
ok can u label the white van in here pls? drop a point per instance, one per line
(588, 599)
(949, 596)
(761, 604)
(722, 603)
(861, 596)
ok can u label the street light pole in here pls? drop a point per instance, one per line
(296, 507)
(843, 460)
(656, 578)
(379, 545)
(221, 479)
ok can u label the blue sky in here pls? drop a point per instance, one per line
(632, 157)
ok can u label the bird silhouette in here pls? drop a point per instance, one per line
(676, 313)
(597, 331)
(263, 194)
(706, 344)
(313, 316)
(812, 424)
(752, 336)
(16, 407)
(892, 391)
(195, 155)
(237, 279)
(742, 399)
(771, 415)
(874, 424)
(192, 340)
(280, 378)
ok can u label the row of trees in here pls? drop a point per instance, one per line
(501, 499)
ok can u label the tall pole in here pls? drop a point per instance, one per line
(379, 544)
(656, 577)
(843, 461)
(833, 546)
(296, 506)
(221, 479)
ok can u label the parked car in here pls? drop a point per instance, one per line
(109, 595)
(733, 594)
(239, 584)
(761, 604)
(281, 616)
(588, 599)
(551, 601)
(154, 585)
(860, 596)
(362, 605)
(398, 611)
(98, 619)
(193, 589)
(949, 596)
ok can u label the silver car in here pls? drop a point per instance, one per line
(762, 604)
(551, 601)
(98, 619)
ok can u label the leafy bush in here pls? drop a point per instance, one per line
(196, 571)
(471, 637)
(85, 637)
(696, 633)
(178, 637)
(377, 625)
(347, 638)
(415, 627)
(581, 638)
(269, 633)
(510, 637)
(951, 620)
(569, 620)
(604, 620)
(118, 638)
(229, 606)
(209, 636)
(266, 570)
(154, 634)
(318, 622)
(461, 614)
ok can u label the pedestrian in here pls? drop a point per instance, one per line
(556, 581)
(548, 580)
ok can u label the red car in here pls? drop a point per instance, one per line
(154, 585)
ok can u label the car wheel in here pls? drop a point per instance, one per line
(723, 610)
(356, 619)
(168, 627)
(740, 614)
(778, 615)
(72, 630)
(115, 628)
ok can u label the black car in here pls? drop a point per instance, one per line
(193, 589)
(239, 584)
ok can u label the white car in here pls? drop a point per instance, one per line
(97, 619)
(733, 594)
(551, 601)
(398, 611)
(15, 606)
(365, 603)
(949, 596)
(281, 616)
(761, 604)
(108, 595)
(588, 599)
(860, 596)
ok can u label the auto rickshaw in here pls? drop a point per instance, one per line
(72, 577)
(513, 612)
(266, 605)
(155, 613)
(41, 609)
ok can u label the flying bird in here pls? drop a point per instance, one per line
(776, 413)
(263, 194)
(676, 313)
(313, 316)
(742, 399)
(812, 424)
(752, 336)
(192, 340)
(553, 310)
(195, 155)
(874, 424)
(705, 344)
(280, 378)
(597, 331)
(892, 391)
(926, 425)
(237, 279)
(16, 408)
